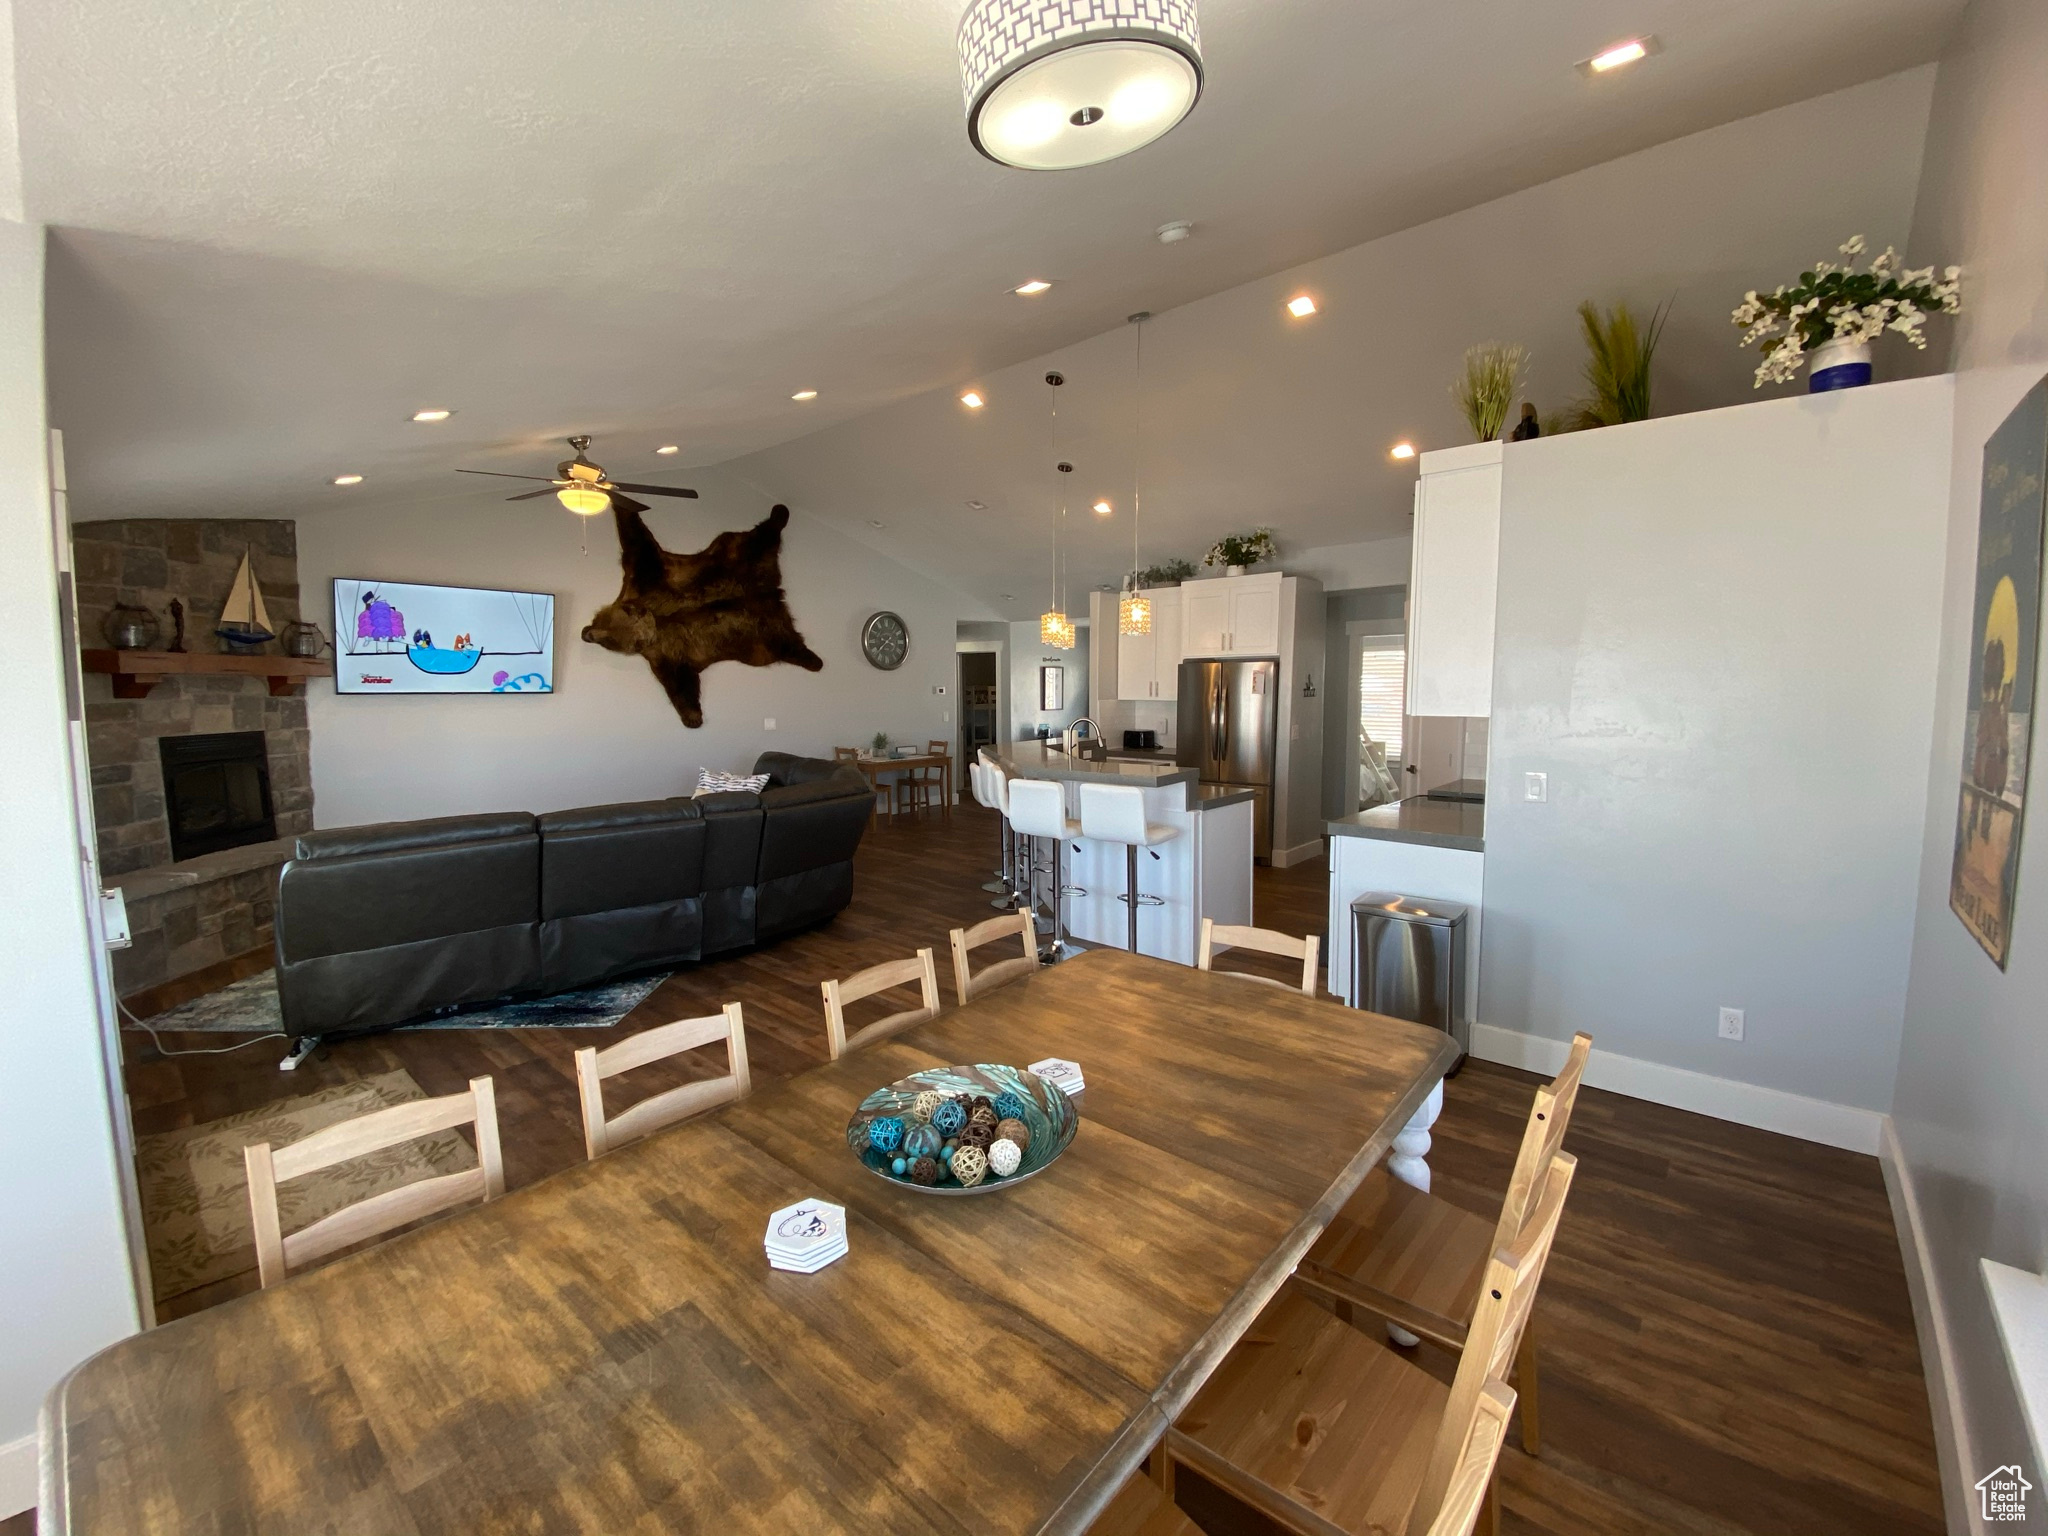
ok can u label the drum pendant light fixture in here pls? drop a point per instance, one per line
(1056, 84)
(1054, 627)
(1134, 609)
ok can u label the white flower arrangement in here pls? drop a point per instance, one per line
(1838, 303)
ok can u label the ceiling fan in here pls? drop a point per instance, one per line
(582, 487)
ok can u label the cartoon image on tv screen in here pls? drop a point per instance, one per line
(405, 637)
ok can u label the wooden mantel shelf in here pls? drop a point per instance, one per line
(136, 672)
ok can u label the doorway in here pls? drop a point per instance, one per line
(978, 707)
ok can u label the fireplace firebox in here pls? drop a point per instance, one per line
(217, 792)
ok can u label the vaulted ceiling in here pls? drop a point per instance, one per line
(281, 230)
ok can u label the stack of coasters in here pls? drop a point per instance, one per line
(1061, 1074)
(807, 1236)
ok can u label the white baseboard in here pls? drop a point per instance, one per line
(17, 1476)
(1954, 1448)
(1300, 853)
(1767, 1109)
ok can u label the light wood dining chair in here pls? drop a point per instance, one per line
(277, 1255)
(846, 754)
(1472, 1482)
(918, 971)
(965, 940)
(1323, 1429)
(1266, 942)
(1417, 1261)
(593, 1066)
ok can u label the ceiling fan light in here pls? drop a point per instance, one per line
(1047, 92)
(584, 500)
(1134, 614)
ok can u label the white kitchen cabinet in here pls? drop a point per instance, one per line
(1236, 616)
(1452, 581)
(1148, 666)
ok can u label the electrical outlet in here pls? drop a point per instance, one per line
(768, 724)
(1731, 1023)
(1535, 786)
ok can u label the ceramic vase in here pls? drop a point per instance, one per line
(1838, 365)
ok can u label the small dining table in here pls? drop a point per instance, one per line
(875, 767)
(608, 1350)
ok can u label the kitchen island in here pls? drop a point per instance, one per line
(1418, 847)
(1204, 872)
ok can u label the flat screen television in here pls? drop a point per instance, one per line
(409, 637)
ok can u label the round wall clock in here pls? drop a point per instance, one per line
(885, 641)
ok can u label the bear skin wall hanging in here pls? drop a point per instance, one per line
(684, 612)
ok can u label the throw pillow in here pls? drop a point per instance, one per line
(709, 783)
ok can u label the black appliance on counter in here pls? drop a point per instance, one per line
(1141, 741)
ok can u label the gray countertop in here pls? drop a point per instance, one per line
(1437, 823)
(1044, 760)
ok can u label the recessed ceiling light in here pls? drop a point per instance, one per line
(872, 523)
(348, 479)
(1621, 53)
(1174, 233)
(1301, 306)
(435, 413)
(1035, 286)
(669, 448)
(1102, 509)
(1401, 451)
(972, 400)
(1007, 598)
(805, 394)
(978, 506)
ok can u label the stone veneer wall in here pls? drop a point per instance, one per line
(149, 561)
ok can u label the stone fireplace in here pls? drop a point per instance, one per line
(214, 904)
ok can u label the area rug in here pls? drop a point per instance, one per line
(249, 1007)
(195, 1197)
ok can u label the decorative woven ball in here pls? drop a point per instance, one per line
(981, 1101)
(885, 1133)
(922, 1106)
(949, 1117)
(970, 1166)
(1003, 1157)
(977, 1135)
(1014, 1130)
(925, 1171)
(982, 1114)
(1009, 1107)
(921, 1141)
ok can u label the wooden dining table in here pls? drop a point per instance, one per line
(609, 1351)
(875, 767)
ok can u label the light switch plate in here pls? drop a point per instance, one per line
(768, 724)
(1535, 786)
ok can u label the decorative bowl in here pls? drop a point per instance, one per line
(1049, 1115)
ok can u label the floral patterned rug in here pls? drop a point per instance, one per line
(249, 1007)
(195, 1199)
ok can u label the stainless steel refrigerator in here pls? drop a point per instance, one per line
(1228, 727)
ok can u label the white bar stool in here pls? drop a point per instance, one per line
(1115, 813)
(977, 778)
(1016, 890)
(1038, 808)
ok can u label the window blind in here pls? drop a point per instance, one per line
(1381, 671)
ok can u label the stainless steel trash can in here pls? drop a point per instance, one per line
(1408, 960)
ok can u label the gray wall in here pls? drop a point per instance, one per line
(1027, 655)
(1384, 608)
(1973, 1070)
(1716, 635)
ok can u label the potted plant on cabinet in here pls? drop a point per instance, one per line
(1835, 312)
(1492, 376)
(1236, 551)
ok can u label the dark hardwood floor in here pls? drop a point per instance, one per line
(1726, 1337)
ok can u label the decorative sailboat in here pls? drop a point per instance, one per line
(243, 618)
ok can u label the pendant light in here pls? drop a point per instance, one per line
(1054, 627)
(1134, 609)
(1051, 87)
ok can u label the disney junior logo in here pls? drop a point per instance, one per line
(2004, 1493)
